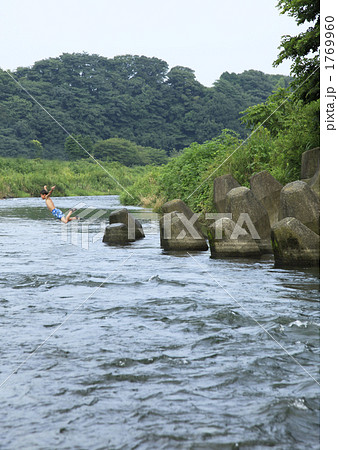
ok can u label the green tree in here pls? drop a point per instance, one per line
(128, 153)
(272, 113)
(154, 156)
(116, 149)
(38, 148)
(78, 147)
(303, 48)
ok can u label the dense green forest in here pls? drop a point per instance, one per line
(135, 98)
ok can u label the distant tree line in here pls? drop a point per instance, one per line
(114, 149)
(133, 98)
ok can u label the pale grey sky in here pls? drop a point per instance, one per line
(210, 37)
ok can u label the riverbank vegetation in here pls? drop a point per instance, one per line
(276, 147)
(20, 177)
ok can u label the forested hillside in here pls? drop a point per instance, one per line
(130, 97)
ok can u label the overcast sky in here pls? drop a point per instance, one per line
(209, 36)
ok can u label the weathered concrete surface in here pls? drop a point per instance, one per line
(179, 206)
(267, 190)
(228, 239)
(314, 182)
(117, 233)
(294, 244)
(310, 163)
(123, 216)
(223, 185)
(298, 200)
(248, 212)
(177, 233)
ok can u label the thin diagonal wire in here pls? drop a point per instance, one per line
(67, 132)
(252, 133)
(61, 324)
(251, 316)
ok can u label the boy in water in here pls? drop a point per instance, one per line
(45, 195)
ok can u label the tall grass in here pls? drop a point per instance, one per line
(21, 177)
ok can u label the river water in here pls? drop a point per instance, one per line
(129, 347)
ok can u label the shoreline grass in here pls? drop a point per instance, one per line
(21, 177)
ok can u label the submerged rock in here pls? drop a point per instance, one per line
(294, 244)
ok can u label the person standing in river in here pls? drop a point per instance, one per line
(57, 213)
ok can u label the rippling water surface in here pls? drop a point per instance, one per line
(129, 347)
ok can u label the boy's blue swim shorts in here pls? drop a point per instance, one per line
(57, 213)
